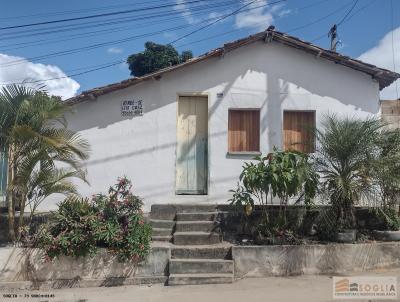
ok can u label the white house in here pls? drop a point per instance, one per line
(182, 134)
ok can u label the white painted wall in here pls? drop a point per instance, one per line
(267, 76)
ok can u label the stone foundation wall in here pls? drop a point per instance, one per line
(342, 259)
(26, 268)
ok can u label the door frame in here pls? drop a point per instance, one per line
(200, 94)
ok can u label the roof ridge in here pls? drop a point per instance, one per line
(385, 77)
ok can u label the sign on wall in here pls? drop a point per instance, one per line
(132, 108)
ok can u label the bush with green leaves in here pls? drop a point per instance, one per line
(114, 221)
(389, 218)
(281, 174)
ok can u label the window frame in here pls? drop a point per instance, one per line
(314, 112)
(258, 110)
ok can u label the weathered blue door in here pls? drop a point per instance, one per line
(192, 140)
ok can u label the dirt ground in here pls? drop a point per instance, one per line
(274, 289)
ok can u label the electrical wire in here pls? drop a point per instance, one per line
(348, 13)
(102, 31)
(119, 41)
(77, 11)
(101, 23)
(220, 19)
(66, 76)
(96, 15)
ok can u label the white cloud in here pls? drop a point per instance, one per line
(185, 11)
(259, 15)
(256, 15)
(284, 13)
(382, 56)
(114, 50)
(30, 72)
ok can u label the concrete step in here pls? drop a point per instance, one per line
(200, 266)
(197, 208)
(158, 223)
(196, 226)
(195, 279)
(196, 238)
(197, 216)
(218, 251)
(168, 211)
(161, 232)
(161, 238)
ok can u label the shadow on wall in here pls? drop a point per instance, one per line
(317, 76)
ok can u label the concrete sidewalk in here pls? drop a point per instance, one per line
(274, 289)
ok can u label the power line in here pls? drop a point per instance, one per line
(348, 13)
(101, 23)
(220, 19)
(97, 15)
(66, 76)
(107, 31)
(78, 11)
(345, 21)
(107, 43)
(119, 62)
(241, 29)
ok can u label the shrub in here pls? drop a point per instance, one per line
(114, 221)
(389, 218)
(281, 174)
(345, 149)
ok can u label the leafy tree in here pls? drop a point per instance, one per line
(34, 134)
(155, 57)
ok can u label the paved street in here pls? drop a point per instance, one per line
(299, 289)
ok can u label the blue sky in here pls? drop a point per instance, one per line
(367, 33)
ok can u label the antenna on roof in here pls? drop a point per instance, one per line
(333, 34)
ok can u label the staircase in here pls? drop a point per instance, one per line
(198, 254)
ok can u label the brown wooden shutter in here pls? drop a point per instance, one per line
(244, 131)
(298, 131)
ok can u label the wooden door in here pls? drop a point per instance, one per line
(192, 142)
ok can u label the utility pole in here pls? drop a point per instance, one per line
(333, 34)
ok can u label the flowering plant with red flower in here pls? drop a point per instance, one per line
(114, 221)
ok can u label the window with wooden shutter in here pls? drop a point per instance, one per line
(298, 131)
(244, 130)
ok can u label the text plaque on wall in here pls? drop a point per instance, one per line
(132, 108)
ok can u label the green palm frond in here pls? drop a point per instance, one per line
(33, 123)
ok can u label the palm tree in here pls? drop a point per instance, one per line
(34, 134)
(346, 149)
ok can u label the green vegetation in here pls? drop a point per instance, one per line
(155, 57)
(114, 221)
(345, 153)
(37, 142)
(357, 162)
(281, 174)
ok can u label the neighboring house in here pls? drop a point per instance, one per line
(182, 134)
(390, 112)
